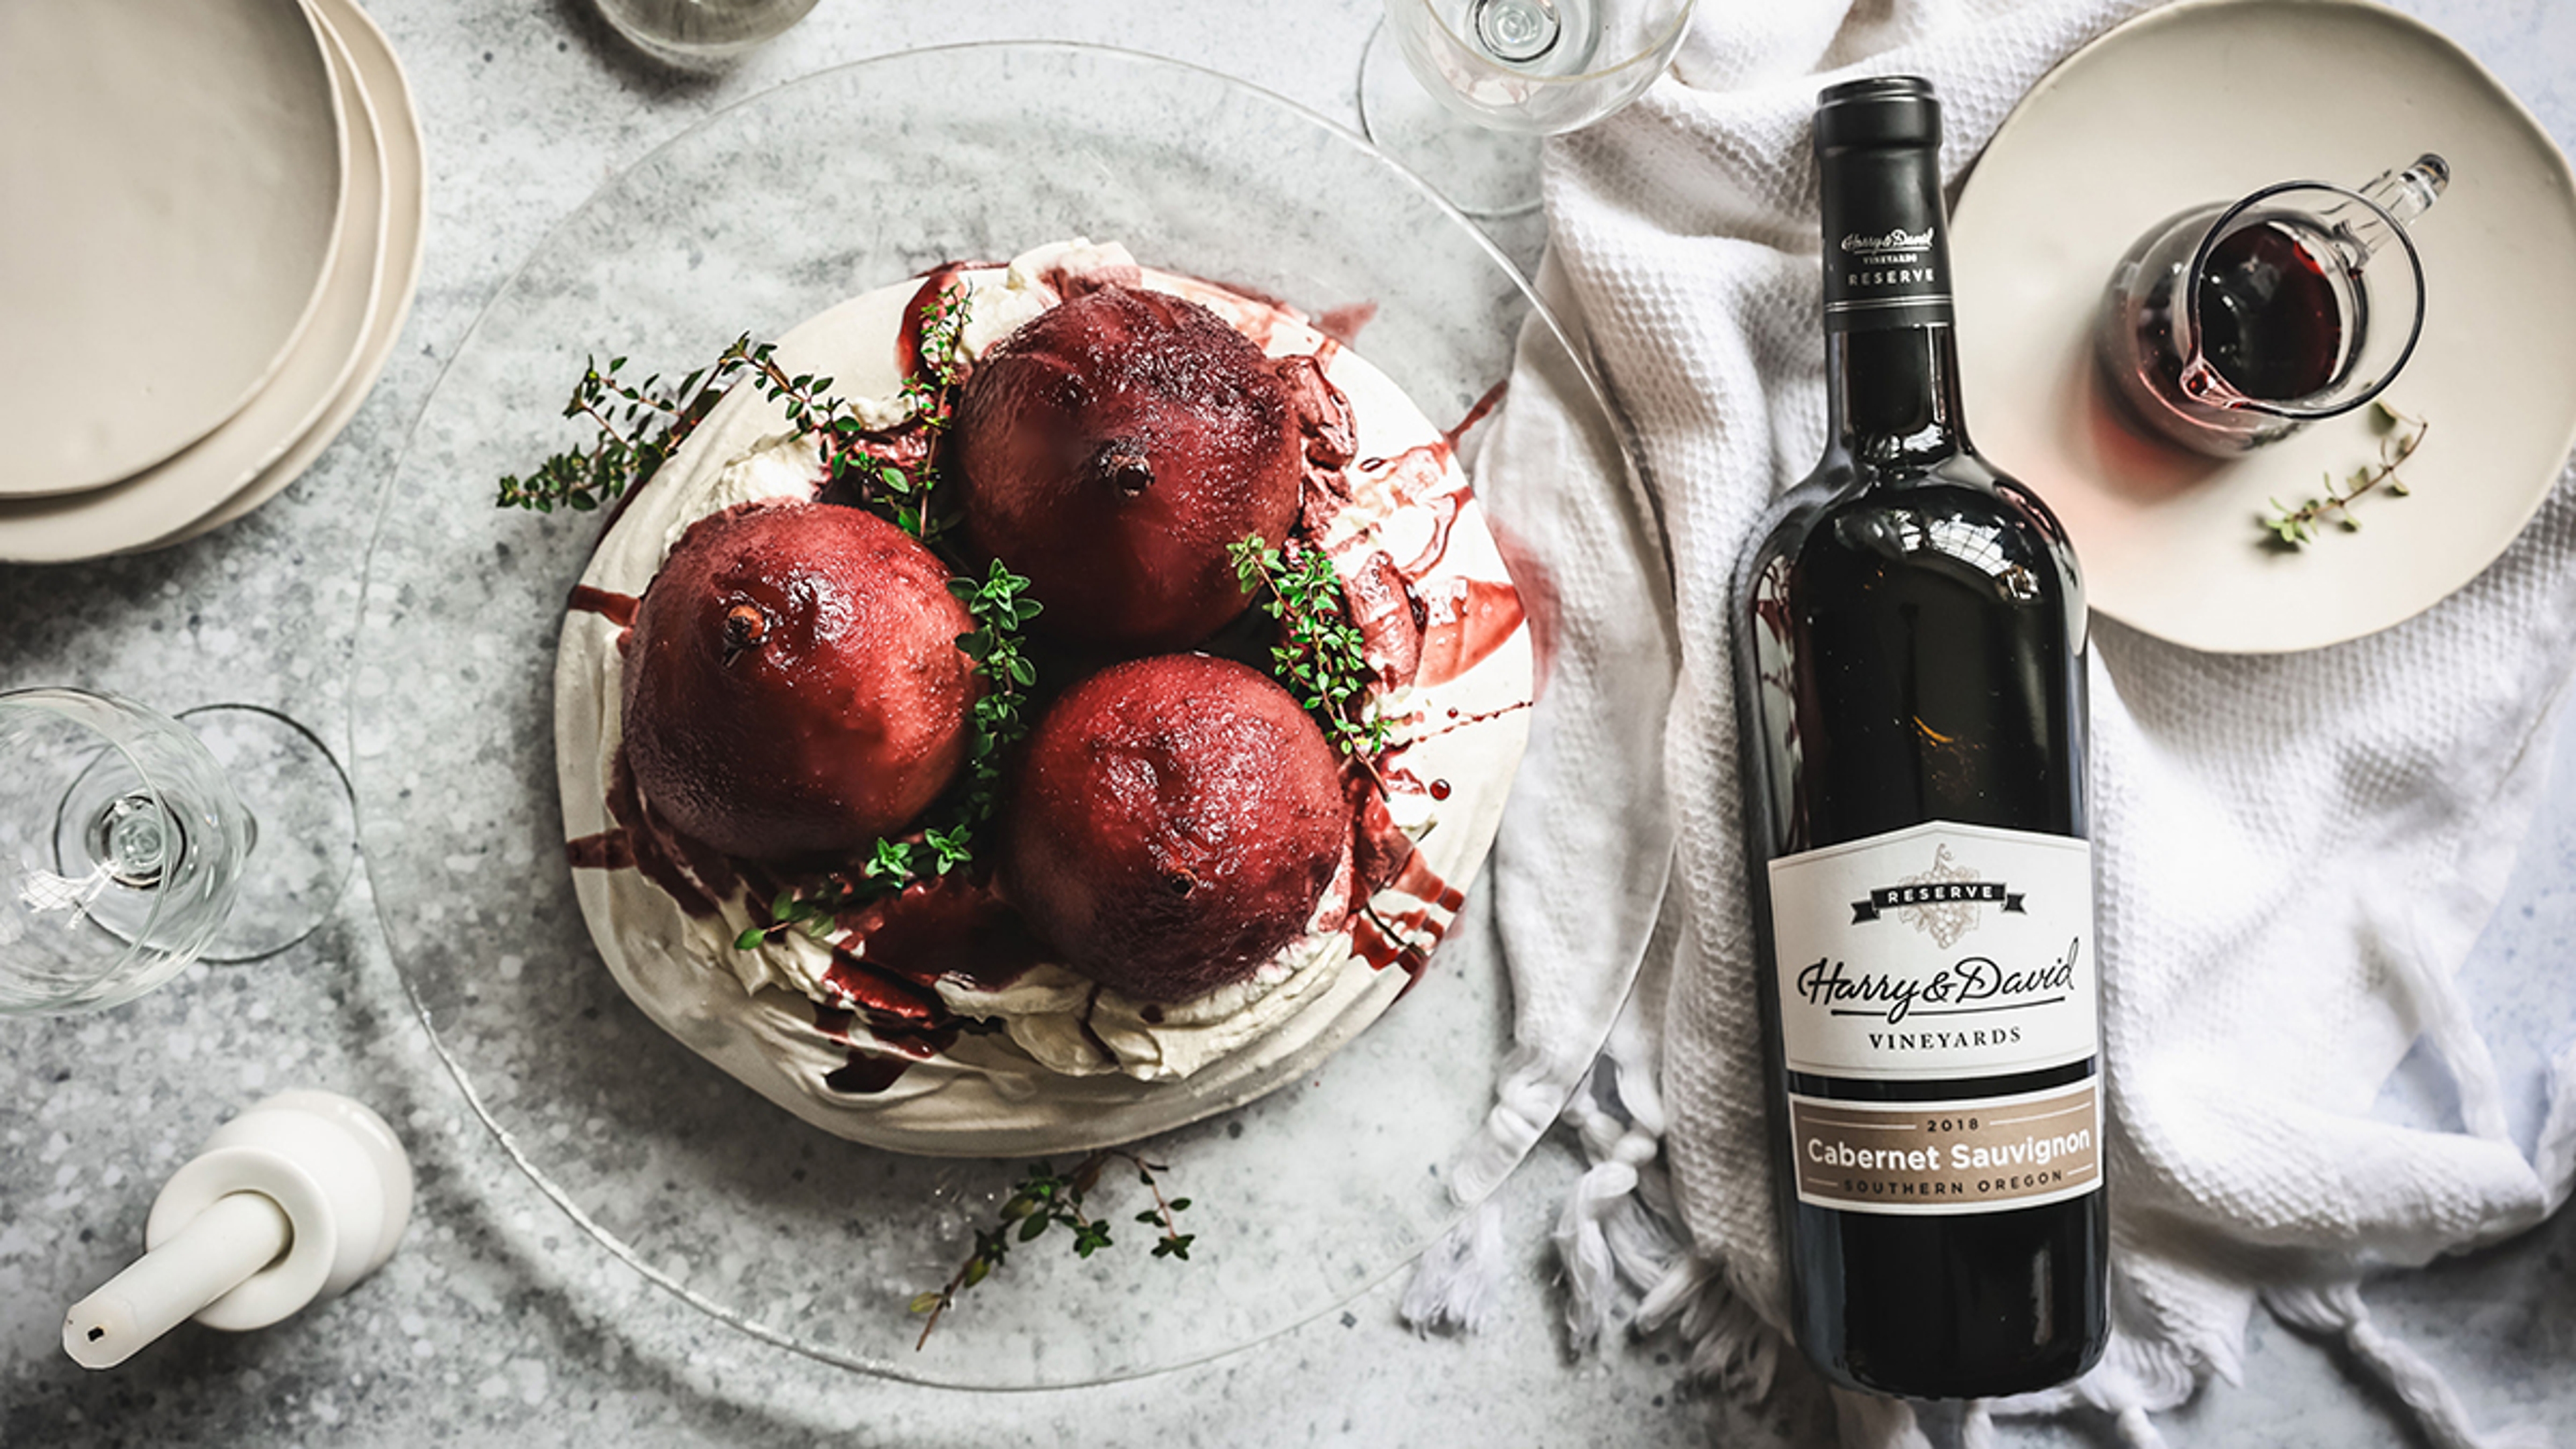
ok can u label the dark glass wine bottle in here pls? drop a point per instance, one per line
(1911, 641)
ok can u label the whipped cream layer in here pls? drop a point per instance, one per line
(1059, 1063)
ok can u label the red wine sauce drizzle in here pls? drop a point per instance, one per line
(905, 1024)
(947, 929)
(1468, 622)
(1341, 325)
(1419, 881)
(1383, 858)
(1476, 414)
(1458, 721)
(1381, 947)
(887, 1000)
(1421, 478)
(1380, 849)
(866, 1075)
(1459, 627)
(1406, 938)
(618, 609)
(652, 842)
(608, 850)
(888, 968)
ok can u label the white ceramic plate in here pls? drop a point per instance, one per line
(177, 492)
(389, 105)
(173, 181)
(2205, 102)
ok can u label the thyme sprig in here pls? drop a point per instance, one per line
(901, 494)
(639, 427)
(854, 457)
(931, 388)
(1318, 656)
(1001, 607)
(1043, 1200)
(893, 863)
(2400, 436)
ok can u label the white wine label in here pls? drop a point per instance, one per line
(1922, 1158)
(1937, 951)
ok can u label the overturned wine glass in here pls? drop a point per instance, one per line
(1489, 78)
(2232, 325)
(132, 843)
(701, 35)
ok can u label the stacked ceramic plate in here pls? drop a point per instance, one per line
(215, 236)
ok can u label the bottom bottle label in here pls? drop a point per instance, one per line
(1977, 1155)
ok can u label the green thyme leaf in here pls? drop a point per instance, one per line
(1042, 1200)
(1319, 650)
(2293, 528)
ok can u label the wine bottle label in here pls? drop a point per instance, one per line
(1976, 1154)
(1937, 952)
(1887, 257)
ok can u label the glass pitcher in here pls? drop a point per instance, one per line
(2232, 325)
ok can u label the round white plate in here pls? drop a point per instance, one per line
(173, 181)
(2205, 102)
(389, 105)
(170, 495)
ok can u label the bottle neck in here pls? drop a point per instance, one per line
(1891, 360)
(1892, 394)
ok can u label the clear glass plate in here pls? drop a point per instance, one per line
(755, 219)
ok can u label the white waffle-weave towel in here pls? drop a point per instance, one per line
(2296, 851)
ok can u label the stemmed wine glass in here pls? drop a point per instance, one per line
(1490, 77)
(701, 35)
(132, 844)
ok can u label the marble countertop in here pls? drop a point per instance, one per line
(500, 1317)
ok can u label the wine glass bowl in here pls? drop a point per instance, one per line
(1537, 66)
(121, 849)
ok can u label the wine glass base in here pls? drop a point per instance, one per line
(1483, 172)
(306, 844)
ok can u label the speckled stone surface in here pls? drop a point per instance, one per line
(499, 1318)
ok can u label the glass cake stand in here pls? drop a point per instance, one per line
(758, 217)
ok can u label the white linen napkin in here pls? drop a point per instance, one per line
(2295, 851)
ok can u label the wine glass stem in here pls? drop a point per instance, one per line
(135, 841)
(1517, 31)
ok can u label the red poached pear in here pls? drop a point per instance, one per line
(793, 686)
(1174, 823)
(1112, 448)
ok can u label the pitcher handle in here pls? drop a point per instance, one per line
(2409, 193)
(2400, 195)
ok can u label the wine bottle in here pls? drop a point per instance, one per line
(1910, 645)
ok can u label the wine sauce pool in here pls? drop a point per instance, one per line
(2270, 322)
